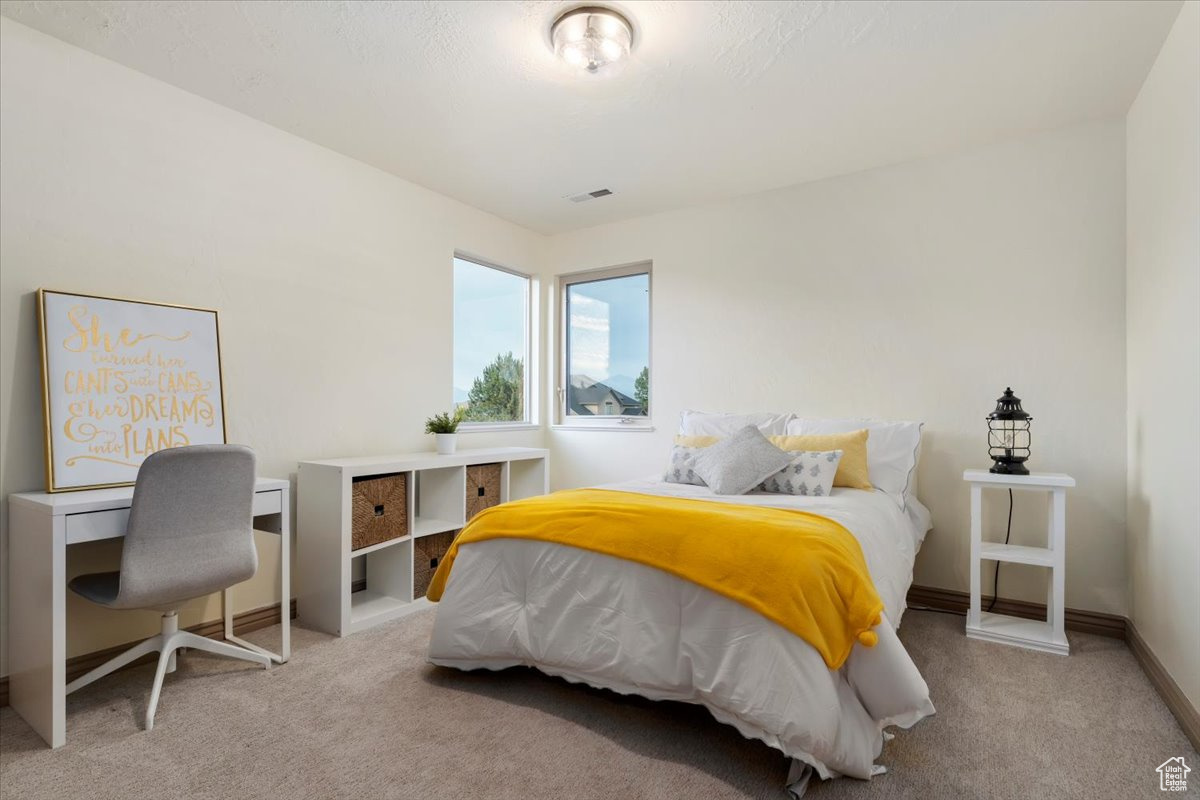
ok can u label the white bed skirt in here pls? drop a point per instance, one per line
(633, 629)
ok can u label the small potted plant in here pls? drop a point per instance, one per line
(444, 428)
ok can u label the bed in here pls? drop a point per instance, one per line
(620, 625)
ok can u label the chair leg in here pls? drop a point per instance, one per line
(186, 639)
(164, 660)
(128, 657)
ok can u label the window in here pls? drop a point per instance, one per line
(491, 343)
(605, 347)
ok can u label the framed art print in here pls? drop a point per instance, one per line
(122, 379)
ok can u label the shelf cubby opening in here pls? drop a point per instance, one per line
(385, 577)
(526, 478)
(438, 500)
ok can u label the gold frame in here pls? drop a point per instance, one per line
(47, 428)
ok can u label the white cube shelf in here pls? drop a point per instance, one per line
(436, 504)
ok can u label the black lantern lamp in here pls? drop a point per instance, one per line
(1008, 436)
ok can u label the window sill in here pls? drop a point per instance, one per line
(494, 427)
(612, 426)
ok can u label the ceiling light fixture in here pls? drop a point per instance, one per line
(591, 37)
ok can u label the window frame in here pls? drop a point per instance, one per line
(528, 353)
(614, 422)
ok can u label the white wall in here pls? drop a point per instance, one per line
(333, 279)
(1163, 342)
(916, 291)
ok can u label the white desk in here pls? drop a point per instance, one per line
(41, 528)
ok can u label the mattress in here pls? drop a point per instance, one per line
(633, 629)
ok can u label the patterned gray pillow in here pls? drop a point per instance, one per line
(739, 463)
(810, 473)
(682, 467)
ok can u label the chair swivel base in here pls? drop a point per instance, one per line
(165, 644)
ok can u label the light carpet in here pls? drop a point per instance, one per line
(365, 717)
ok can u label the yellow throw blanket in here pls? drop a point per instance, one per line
(800, 570)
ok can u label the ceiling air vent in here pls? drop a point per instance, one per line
(584, 197)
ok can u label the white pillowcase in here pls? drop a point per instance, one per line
(702, 423)
(810, 473)
(892, 448)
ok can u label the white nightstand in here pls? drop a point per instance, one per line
(1048, 636)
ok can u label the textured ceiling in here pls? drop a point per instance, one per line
(720, 98)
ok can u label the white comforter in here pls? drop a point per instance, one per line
(634, 629)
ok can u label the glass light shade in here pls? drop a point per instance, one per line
(1008, 436)
(591, 37)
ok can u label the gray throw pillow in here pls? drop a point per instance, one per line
(739, 463)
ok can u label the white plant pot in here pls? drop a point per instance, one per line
(446, 442)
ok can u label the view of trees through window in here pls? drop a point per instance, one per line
(608, 346)
(491, 319)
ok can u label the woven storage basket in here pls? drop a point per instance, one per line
(427, 554)
(379, 511)
(483, 487)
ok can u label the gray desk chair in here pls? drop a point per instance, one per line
(189, 535)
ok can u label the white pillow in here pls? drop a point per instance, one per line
(810, 473)
(738, 463)
(892, 448)
(701, 423)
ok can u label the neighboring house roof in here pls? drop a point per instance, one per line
(583, 392)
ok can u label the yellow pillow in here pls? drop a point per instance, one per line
(852, 469)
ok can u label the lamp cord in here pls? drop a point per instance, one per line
(1007, 534)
